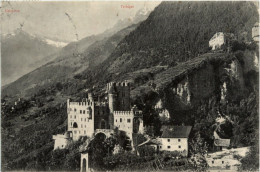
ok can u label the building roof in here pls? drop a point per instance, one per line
(176, 131)
(222, 142)
(151, 142)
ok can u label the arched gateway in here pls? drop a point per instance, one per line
(106, 132)
(84, 162)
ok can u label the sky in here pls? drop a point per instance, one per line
(49, 19)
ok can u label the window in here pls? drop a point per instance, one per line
(80, 111)
(212, 162)
(116, 120)
(85, 119)
(179, 146)
(120, 119)
(75, 116)
(75, 132)
(222, 162)
(75, 125)
(128, 120)
(169, 147)
(168, 140)
(83, 111)
(75, 109)
(179, 140)
(160, 147)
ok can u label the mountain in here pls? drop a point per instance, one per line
(76, 57)
(22, 53)
(175, 32)
(78, 47)
(68, 63)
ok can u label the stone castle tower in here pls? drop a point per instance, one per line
(118, 96)
(81, 117)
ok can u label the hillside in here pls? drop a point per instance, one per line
(33, 50)
(176, 32)
(66, 66)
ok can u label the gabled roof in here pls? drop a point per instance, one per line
(222, 142)
(176, 131)
(150, 142)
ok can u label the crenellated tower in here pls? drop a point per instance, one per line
(81, 117)
(119, 96)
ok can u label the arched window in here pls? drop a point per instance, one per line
(75, 125)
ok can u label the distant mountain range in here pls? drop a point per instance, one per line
(68, 61)
(36, 50)
(22, 53)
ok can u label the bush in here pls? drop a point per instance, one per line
(251, 161)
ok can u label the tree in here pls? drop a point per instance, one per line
(198, 150)
(251, 161)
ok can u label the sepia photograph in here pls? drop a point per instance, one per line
(129, 86)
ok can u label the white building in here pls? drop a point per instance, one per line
(81, 118)
(226, 160)
(129, 121)
(175, 138)
(61, 140)
(217, 40)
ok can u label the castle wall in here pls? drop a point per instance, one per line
(61, 141)
(129, 121)
(123, 120)
(102, 120)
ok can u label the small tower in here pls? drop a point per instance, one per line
(119, 96)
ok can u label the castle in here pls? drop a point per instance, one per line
(89, 117)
